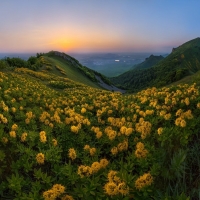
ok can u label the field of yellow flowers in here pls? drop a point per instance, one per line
(64, 140)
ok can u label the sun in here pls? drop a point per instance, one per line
(64, 44)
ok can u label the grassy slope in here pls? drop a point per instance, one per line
(71, 72)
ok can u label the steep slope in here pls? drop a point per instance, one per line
(149, 62)
(64, 65)
(183, 61)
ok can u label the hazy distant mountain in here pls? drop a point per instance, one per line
(149, 62)
(182, 61)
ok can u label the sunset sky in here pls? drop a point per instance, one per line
(84, 26)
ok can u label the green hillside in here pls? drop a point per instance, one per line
(183, 61)
(149, 62)
(65, 65)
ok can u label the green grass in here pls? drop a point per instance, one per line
(72, 72)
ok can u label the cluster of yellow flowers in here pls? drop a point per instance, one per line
(3, 119)
(55, 142)
(110, 133)
(143, 181)
(143, 127)
(83, 110)
(29, 116)
(94, 168)
(72, 153)
(13, 130)
(92, 150)
(140, 151)
(4, 140)
(4, 106)
(122, 146)
(126, 131)
(97, 131)
(160, 130)
(40, 158)
(43, 137)
(56, 191)
(23, 137)
(115, 185)
(180, 121)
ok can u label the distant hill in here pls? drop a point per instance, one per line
(182, 61)
(149, 62)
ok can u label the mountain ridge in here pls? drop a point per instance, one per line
(182, 61)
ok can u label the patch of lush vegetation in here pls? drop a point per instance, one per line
(86, 143)
(183, 61)
(32, 63)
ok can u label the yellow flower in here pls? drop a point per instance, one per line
(92, 151)
(104, 162)
(160, 130)
(111, 188)
(23, 137)
(13, 109)
(27, 121)
(128, 131)
(95, 167)
(187, 101)
(114, 150)
(43, 138)
(51, 125)
(111, 175)
(83, 110)
(4, 140)
(54, 192)
(40, 158)
(123, 130)
(178, 121)
(112, 134)
(86, 147)
(98, 134)
(74, 129)
(140, 152)
(13, 134)
(55, 143)
(58, 189)
(49, 195)
(123, 146)
(183, 123)
(21, 108)
(72, 153)
(84, 171)
(188, 114)
(167, 116)
(67, 197)
(123, 188)
(14, 127)
(143, 181)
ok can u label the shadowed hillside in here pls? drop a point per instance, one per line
(183, 61)
(149, 62)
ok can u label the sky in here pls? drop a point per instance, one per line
(86, 26)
